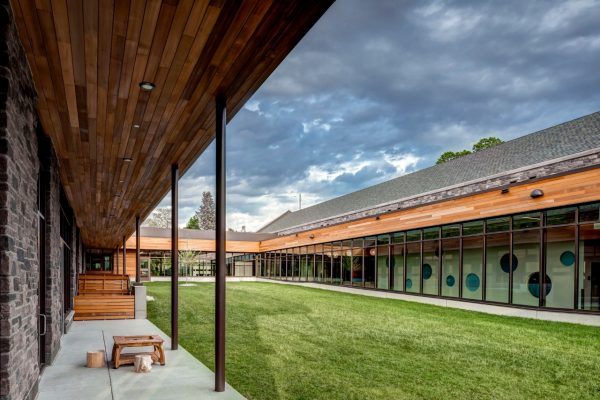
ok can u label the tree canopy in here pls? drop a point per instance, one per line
(193, 223)
(159, 218)
(483, 143)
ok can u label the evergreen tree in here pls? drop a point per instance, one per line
(206, 214)
(193, 223)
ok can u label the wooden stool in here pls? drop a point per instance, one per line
(121, 342)
(95, 359)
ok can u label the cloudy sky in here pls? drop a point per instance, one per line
(378, 89)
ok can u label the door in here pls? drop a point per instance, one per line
(595, 284)
(144, 269)
(42, 291)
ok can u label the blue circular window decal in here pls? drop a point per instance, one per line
(533, 284)
(505, 262)
(567, 258)
(408, 283)
(450, 280)
(427, 271)
(472, 282)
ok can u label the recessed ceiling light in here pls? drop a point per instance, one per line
(136, 126)
(127, 159)
(147, 86)
(121, 181)
(117, 194)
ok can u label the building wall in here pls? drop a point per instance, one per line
(19, 272)
(22, 151)
(573, 188)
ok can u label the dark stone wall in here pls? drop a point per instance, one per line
(19, 265)
(25, 153)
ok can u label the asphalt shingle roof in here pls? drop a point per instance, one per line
(563, 140)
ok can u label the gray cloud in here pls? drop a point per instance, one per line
(377, 89)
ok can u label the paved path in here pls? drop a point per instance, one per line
(183, 377)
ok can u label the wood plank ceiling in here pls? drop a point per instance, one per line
(115, 142)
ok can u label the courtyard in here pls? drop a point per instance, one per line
(291, 342)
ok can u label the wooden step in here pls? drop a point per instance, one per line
(94, 307)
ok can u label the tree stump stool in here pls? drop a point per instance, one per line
(142, 363)
(95, 359)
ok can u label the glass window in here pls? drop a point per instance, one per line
(526, 268)
(450, 231)
(414, 235)
(498, 224)
(296, 264)
(369, 254)
(413, 267)
(526, 221)
(473, 268)
(398, 237)
(498, 264)
(319, 263)
(310, 263)
(473, 228)
(336, 256)
(397, 265)
(560, 267)
(357, 262)
(327, 263)
(383, 240)
(560, 216)
(450, 267)
(382, 267)
(589, 212)
(431, 267)
(347, 262)
(589, 267)
(431, 233)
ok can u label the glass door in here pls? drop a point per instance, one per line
(145, 269)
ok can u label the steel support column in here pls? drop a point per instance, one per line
(138, 268)
(124, 256)
(174, 257)
(221, 121)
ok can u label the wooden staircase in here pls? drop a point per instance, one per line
(104, 296)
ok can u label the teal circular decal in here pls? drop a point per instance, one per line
(408, 283)
(427, 271)
(450, 281)
(533, 285)
(472, 282)
(567, 258)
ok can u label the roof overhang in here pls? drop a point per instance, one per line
(116, 142)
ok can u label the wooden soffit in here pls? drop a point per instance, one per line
(88, 58)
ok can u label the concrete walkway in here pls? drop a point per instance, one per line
(183, 376)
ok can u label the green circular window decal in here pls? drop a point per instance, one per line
(567, 258)
(427, 271)
(408, 283)
(472, 282)
(450, 281)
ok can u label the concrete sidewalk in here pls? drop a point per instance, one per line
(183, 376)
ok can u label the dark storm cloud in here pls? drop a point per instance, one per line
(381, 88)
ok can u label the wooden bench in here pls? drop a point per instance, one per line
(104, 284)
(122, 342)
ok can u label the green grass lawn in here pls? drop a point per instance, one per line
(289, 342)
